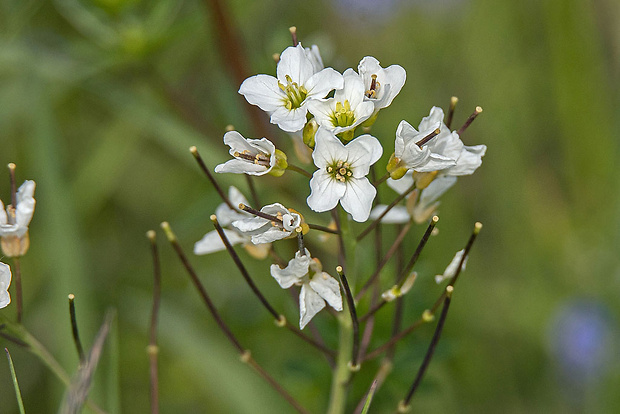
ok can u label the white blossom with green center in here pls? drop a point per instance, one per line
(347, 109)
(341, 174)
(5, 282)
(299, 80)
(317, 286)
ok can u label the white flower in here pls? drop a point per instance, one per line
(448, 144)
(382, 85)
(421, 158)
(341, 174)
(285, 98)
(396, 215)
(15, 220)
(452, 268)
(212, 242)
(252, 156)
(313, 54)
(347, 109)
(263, 230)
(317, 286)
(5, 282)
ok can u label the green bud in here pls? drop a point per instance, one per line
(280, 165)
(309, 132)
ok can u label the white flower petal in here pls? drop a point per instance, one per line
(328, 288)
(396, 215)
(319, 85)
(328, 148)
(3, 217)
(270, 235)
(296, 269)
(310, 303)
(263, 91)
(363, 151)
(211, 242)
(325, 191)
(358, 197)
(294, 63)
(313, 54)
(402, 184)
(289, 120)
(435, 116)
(5, 282)
(469, 161)
(236, 166)
(452, 268)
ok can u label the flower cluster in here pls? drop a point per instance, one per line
(325, 109)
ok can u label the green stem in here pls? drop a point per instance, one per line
(342, 373)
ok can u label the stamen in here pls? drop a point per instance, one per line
(372, 92)
(453, 102)
(470, 120)
(428, 138)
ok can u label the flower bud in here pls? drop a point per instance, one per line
(309, 132)
(14, 246)
(396, 168)
(280, 164)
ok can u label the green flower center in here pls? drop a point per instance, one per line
(295, 94)
(340, 171)
(343, 116)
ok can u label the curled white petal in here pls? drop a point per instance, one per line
(310, 303)
(328, 288)
(294, 272)
(211, 242)
(5, 282)
(452, 268)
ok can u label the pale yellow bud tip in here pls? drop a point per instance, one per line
(292, 29)
(402, 407)
(449, 290)
(151, 235)
(353, 368)
(477, 227)
(454, 100)
(339, 269)
(193, 149)
(168, 230)
(246, 356)
(11, 166)
(281, 321)
(478, 109)
(71, 296)
(276, 57)
(241, 206)
(229, 128)
(428, 316)
(213, 218)
(435, 219)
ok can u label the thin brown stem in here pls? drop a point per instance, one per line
(253, 192)
(74, 330)
(341, 251)
(431, 349)
(387, 210)
(153, 349)
(293, 31)
(13, 182)
(322, 228)
(17, 278)
(211, 178)
(351, 305)
(453, 102)
(381, 180)
(279, 318)
(245, 354)
(469, 120)
(397, 242)
(259, 213)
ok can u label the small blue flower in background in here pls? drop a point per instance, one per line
(582, 342)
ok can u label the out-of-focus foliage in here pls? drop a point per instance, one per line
(100, 100)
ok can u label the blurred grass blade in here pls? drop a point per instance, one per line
(18, 393)
(77, 392)
(371, 393)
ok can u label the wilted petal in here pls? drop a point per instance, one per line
(452, 268)
(296, 269)
(310, 303)
(328, 288)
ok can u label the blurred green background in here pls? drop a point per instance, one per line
(100, 100)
